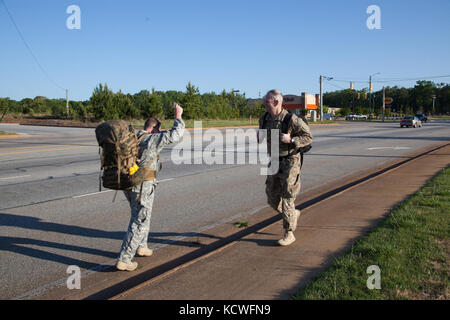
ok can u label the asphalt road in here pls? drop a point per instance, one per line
(52, 214)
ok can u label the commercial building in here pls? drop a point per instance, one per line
(308, 102)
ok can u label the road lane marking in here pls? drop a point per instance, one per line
(91, 194)
(395, 148)
(44, 150)
(99, 192)
(7, 178)
(40, 146)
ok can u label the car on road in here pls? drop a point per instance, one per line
(410, 122)
(356, 117)
(422, 117)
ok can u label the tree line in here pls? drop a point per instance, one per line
(405, 100)
(104, 104)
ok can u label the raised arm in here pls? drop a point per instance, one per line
(173, 135)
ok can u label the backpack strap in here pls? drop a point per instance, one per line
(264, 122)
(286, 121)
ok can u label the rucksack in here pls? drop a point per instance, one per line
(119, 152)
(284, 129)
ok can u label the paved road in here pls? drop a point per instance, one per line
(52, 216)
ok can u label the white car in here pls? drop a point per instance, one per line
(410, 122)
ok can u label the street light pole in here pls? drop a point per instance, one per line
(321, 94)
(370, 91)
(434, 98)
(67, 102)
(321, 98)
(384, 104)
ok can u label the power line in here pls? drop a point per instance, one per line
(28, 47)
(384, 80)
(410, 79)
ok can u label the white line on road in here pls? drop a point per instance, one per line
(91, 194)
(28, 175)
(99, 192)
(395, 148)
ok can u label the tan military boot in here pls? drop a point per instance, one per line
(287, 239)
(123, 266)
(297, 215)
(144, 252)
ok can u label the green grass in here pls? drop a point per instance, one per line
(4, 133)
(439, 118)
(241, 224)
(411, 248)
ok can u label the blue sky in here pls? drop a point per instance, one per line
(249, 45)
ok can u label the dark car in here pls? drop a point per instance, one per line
(422, 117)
(410, 122)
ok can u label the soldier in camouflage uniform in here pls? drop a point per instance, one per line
(141, 196)
(283, 187)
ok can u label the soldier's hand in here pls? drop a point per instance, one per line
(178, 111)
(285, 138)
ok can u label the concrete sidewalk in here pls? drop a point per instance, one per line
(255, 267)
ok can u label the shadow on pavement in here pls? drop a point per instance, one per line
(27, 246)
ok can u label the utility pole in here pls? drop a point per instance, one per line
(321, 94)
(321, 98)
(434, 98)
(384, 104)
(67, 102)
(370, 94)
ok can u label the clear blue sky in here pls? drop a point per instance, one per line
(250, 45)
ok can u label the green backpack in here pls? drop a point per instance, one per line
(120, 148)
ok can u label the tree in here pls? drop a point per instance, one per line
(422, 95)
(152, 106)
(191, 103)
(102, 103)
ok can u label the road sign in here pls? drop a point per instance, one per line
(388, 100)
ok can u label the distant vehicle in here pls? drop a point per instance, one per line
(356, 117)
(422, 117)
(410, 122)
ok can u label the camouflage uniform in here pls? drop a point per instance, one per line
(283, 187)
(141, 211)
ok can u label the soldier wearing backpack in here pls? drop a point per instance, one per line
(140, 197)
(283, 187)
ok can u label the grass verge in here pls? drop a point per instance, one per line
(4, 133)
(411, 248)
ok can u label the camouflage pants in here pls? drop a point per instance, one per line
(282, 189)
(139, 226)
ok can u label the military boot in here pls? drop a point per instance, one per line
(297, 215)
(123, 266)
(287, 239)
(144, 252)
